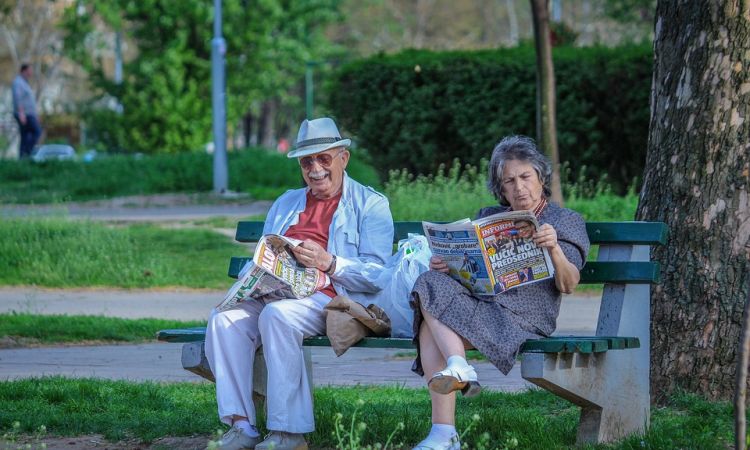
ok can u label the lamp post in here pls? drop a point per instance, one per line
(309, 89)
(218, 102)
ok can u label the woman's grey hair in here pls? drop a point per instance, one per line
(520, 148)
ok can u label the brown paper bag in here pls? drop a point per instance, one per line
(347, 322)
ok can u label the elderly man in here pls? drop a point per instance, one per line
(344, 226)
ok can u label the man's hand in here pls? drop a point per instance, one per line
(310, 254)
(437, 264)
(22, 118)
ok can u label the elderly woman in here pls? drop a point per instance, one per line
(448, 318)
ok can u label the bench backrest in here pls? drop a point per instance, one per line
(600, 233)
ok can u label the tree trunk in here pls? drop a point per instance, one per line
(266, 127)
(697, 181)
(545, 92)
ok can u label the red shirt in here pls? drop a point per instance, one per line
(314, 223)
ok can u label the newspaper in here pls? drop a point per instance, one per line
(274, 272)
(493, 254)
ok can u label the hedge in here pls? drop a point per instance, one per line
(419, 109)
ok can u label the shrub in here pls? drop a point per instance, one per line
(419, 109)
(263, 174)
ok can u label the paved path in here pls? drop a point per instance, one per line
(138, 213)
(161, 361)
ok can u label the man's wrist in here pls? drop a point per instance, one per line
(332, 266)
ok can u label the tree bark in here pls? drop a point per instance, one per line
(267, 125)
(545, 81)
(697, 181)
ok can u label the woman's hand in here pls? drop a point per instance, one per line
(567, 275)
(310, 254)
(545, 237)
(437, 264)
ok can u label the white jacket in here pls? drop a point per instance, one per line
(361, 233)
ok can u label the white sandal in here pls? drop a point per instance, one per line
(452, 444)
(456, 379)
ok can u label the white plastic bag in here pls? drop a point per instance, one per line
(396, 280)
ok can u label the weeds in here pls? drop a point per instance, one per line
(11, 438)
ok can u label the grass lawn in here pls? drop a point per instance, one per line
(30, 329)
(534, 420)
(57, 252)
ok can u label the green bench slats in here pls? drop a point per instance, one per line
(618, 272)
(182, 335)
(613, 233)
(631, 233)
(557, 344)
(579, 344)
(249, 231)
(368, 342)
(593, 272)
(199, 334)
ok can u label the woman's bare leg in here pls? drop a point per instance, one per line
(447, 341)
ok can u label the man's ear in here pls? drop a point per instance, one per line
(345, 157)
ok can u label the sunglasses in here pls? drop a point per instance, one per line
(324, 159)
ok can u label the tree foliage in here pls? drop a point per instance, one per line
(419, 109)
(163, 102)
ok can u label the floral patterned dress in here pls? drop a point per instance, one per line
(498, 326)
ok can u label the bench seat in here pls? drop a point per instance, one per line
(556, 344)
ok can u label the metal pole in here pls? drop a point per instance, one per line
(118, 57)
(218, 101)
(309, 90)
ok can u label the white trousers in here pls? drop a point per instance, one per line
(233, 336)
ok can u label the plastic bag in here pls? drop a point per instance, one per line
(396, 280)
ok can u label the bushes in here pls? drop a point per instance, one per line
(419, 109)
(262, 173)
(461, 191)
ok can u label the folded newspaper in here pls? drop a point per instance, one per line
(274, 272)
(493, 254)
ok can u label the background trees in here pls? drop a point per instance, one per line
(163, 101)
(697, 180)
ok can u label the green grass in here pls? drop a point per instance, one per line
(264, 174)
(55, 252)
(60, 329)
(538, 420)
(461, 192)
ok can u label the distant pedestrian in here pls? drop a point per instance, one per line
(24, 110)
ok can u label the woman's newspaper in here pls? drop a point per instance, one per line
(492, 254)
(275, 273)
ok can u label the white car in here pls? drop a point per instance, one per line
(49, 152)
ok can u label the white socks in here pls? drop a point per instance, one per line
(458, 362)
(246, 428)
(439, 436)
(441, 433)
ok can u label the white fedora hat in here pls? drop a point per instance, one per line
(317, 135)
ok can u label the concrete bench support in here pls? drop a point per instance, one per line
(612, 388)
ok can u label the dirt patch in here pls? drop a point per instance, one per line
(17, 342)
(91, 442)
(97, 442)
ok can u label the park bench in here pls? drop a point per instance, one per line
(607, 374)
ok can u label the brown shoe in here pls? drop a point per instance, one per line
(279, 440)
